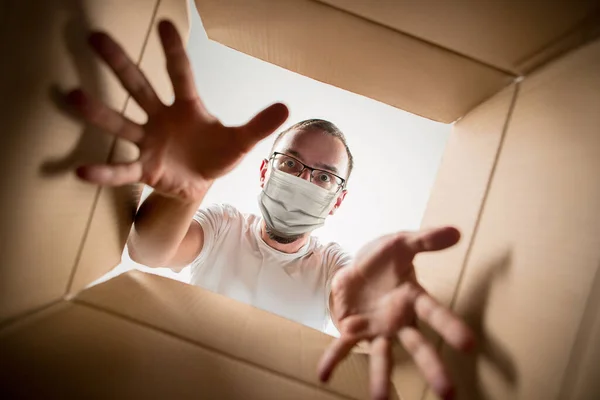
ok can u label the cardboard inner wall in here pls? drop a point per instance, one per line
(530, 283)
(434, 59)
(130, 352)
(44, 208)
(511, 36)
(141, 335)
(581, 381)
(338, 48)
(519, 178)
(456, 199)
(227, 327)
(104, 244)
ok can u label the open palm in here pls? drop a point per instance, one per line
(378, 299)
(182, 146)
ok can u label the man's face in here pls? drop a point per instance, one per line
(315, 149)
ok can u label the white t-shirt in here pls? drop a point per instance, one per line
(237, 263)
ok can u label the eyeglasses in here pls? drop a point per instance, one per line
(319, 177)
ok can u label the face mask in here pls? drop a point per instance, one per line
(293, 206)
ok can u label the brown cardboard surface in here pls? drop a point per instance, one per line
(586, 32)
(73, 351)
(581, 381)
(525, 275)
(114, 211)
(460, 188)
(226, 326)
(531, 270)
(338, 48)
(501, 33)
(456, 199)
(44, 208)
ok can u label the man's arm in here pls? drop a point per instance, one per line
(164, 233)
(183, 149)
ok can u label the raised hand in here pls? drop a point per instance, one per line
(378, 299)
(182, 147)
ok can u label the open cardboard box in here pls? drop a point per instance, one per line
(519, 178)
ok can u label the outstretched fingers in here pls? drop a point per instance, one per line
(113, 174)
(432, 240)
(129, 74)
(380, 363)
(262, 125)
(334, 354)
(178, 63)
(100, 115)
(450, 327)
(427, 360)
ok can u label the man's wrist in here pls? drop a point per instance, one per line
(190, 196)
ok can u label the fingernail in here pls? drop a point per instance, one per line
(324, 376)
(80, 172)
(75, 97)
(96, 39)
(469, 343)
(449, 395)
(164, 24)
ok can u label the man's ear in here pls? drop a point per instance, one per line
(264, 166)
(338, 202)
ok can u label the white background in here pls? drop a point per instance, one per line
(397, 154)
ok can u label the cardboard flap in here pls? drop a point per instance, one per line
(505, 34)
(226, 326)
(44, 208)
(456, 200)
(353, 53)
(115, 208)
(529, 281)
(76, 352)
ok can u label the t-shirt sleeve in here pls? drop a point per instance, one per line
(214, 220)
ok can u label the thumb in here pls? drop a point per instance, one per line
(433, 239)
(262, 125)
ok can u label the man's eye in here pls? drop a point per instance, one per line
(324, 178)
(290, 163)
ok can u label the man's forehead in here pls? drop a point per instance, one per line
(315, 148)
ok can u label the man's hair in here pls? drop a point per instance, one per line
(325, 127)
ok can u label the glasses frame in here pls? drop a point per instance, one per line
(311, 169)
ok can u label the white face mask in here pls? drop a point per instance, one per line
(292, 206)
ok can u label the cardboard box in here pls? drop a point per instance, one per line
(519, 178)
(136, 335)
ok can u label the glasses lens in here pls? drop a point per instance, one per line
(321, 178)
(287, 164)
(325, 180)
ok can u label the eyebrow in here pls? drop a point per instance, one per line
(318, 165)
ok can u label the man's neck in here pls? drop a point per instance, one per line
(289, 248)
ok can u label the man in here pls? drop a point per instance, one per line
(271, 262)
